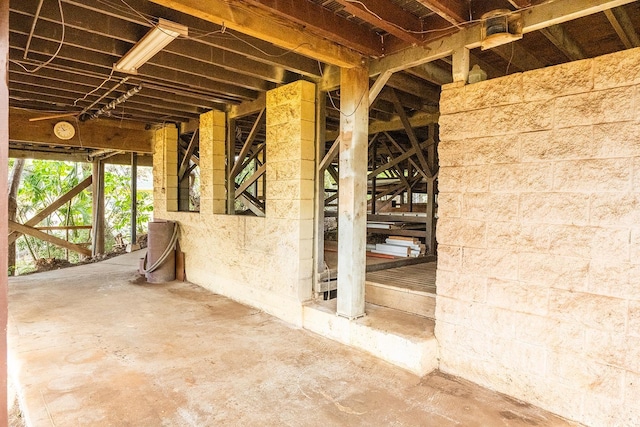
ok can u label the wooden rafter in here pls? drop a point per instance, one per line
(250, 180)
(324, 22)
(404, 156)
(246, 147)
(454, 11)
(61, 201)
(563, 41)
(402, 150)
(267, 26)
(252, 156)
(623, 26)
(25, 229)
(387, 16)
(516, 55)
(411, 134)
(536, 18)
(191, 148)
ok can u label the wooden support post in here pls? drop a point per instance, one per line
(430, 222)
(65, 198)
(134, 196)
(4, 162)
(352, 203)
(374, 149)
(319, 190)
(24, 229)
(231, 158)
(97, 232)
(460, 66)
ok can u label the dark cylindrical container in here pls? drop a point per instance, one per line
(159, 237)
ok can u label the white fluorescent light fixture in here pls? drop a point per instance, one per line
(153, 42)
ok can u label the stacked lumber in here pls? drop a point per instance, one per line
(400, 246)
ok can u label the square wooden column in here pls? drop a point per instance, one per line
(352, 197)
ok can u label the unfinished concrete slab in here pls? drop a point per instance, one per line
(92, 345)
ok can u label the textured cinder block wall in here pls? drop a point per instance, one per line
(538, 276)
(264, 262)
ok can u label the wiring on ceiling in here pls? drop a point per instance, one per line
(55, 55)
(437, 30)
(333, 103)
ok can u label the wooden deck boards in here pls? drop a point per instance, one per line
(417, 278)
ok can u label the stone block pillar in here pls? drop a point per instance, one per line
(212, 162)
(165, 163)
(290, 177)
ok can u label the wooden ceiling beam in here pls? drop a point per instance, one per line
(387, 16)
(134, 104)
(564, 42)
(81, 14)
(431, 73)
(148, 96)
(325, 23)
(267, 26)
(52, 75)
(536, 18)
(623, 26)
(454, 11)
(77, 59)
(519, 57)
(411, 85)
(96, 134)
(104, 52)
(117, 41)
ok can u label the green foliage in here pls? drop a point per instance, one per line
(43, 182)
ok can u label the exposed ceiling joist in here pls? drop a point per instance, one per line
(515, 55)
(431, 73)
(387, 16)
(322, 21)
(623, 26)
(536, 18)
(96, 134)
(454, 11)
(563, 41)
(270, 27)
(116, 41)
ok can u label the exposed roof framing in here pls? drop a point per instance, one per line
(237, 50)
(387, 16)
(454, 11)
(623, 26)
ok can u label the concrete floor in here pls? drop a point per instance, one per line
(91, 345)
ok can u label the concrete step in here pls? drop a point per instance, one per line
(414, 301)
(402, 339)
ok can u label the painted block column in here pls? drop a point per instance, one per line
(165, 160)
(212, 162)
(290, 176)
(352, 204)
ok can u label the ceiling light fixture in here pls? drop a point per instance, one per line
(153, 42)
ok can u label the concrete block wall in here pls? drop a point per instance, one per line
(538, 276)
(263, 262)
